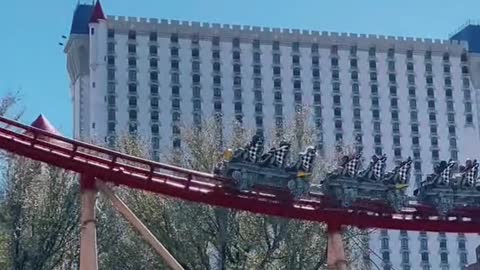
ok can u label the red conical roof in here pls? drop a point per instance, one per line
(97, 13)
(42, 123)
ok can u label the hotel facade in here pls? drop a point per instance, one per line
(399, 96)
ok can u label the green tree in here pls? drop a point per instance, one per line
(40, 211)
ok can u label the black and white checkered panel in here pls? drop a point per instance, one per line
(351, 167)
(404, 173)
(471, 175)
(253, 151)
(379, 168)
(280, 155)
(446, 174)
(307, 161)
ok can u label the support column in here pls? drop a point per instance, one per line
(335, 250)
(139, 226)
(88, 233)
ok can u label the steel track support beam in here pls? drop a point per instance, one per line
(131, 218)
(88, 232)
(335, 249)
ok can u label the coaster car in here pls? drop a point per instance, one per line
(351, 188)
(250, 168)
(451, 189)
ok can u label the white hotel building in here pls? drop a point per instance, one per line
(398, 96)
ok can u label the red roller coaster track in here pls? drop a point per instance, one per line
(133, 172)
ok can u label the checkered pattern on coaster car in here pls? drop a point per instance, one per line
(379, 168)
(280, 155)
(253, 151)
(307, 160)
(404, 172)
(470, 176)
(352, 165)
(447, 173)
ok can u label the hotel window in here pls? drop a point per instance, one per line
(111, 33)
(132, 48)
(111, 74)
(132, 75)
(409, 54)
(353, 63)
(256, 57)
(296, 72)
(335, 75)
(371, 51)
(236, 55)
(276, 58)
(153, 76)
(391, 65)
(295, 46)
(444, 258)
(154, 116)
(463, 258)
(410, 66)
(111, 47)
(175, 91)
(428, 68)
(176, 103)
(195, 78)
(354, 75)
(196, 66)
(296, 60)
(277, 83)
(154, 103)
(132, 115)
(446, 57)
(392, 78)
(174, 51)
(175, 77)
(334, 62)
(428, 55)
(297, 84)
(215, 41)
(393, 90)
(111, 60)
(334, 49)
(276, 70)
(153, 63)
(132, 89)
(132, 35)
(195, 53)
(153, 36)
(424, 257)
(153, 50)
(132, 62)
(236, 42)
(391, 52)
(174, 38)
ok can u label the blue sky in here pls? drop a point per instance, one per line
(32, 62)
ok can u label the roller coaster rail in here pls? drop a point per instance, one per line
(114, 168)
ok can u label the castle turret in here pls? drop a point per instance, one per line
(86, 52)
(98, 34)
(98, 71)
